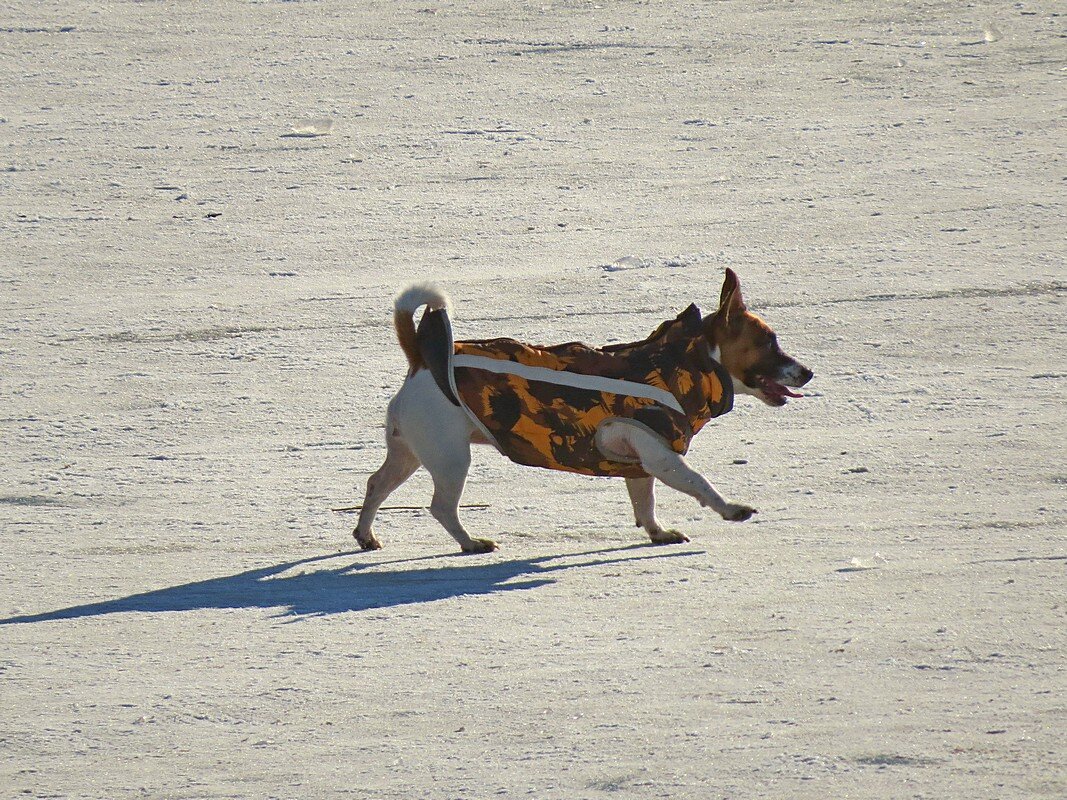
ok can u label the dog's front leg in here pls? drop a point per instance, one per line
(659, 461)
(643, 497)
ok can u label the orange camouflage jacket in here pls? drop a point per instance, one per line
(541, 406)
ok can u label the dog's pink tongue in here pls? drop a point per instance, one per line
(782, 391)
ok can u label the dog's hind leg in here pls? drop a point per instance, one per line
(439, 434)
(448, 467)
(643, 497)
(400, 464)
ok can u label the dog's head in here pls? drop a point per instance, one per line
(749, 350)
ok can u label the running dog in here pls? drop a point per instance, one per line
(626, 410)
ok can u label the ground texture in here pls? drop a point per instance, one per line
(205, 210)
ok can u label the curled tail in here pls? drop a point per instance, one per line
(407, 302)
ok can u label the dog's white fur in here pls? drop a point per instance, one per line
(416, 295)
(424, 428)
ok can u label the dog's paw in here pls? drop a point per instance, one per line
(481, 546)
(735, 512)
(667, 537)
(367, 541)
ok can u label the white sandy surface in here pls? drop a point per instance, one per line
(205, 210)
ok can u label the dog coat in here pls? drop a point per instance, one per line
(542, 406)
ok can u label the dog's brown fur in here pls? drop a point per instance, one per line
(748, 347)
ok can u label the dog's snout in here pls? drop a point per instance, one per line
(795, 374)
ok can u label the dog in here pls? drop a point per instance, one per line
(625, 410)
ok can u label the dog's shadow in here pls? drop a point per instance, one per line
(305, 588)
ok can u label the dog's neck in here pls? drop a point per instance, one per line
(708, 325)
(707, 328)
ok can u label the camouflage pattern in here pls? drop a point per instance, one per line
(548, 425)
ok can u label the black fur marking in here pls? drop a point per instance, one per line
(435, 346)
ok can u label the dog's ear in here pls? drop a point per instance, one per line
(730, 300)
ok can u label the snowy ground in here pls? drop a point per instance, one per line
(196, 355)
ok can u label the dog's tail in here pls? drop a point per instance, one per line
(407, 303)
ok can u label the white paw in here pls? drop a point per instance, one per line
(736, 512)
(661, 536)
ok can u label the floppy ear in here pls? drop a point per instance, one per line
(730, 300)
